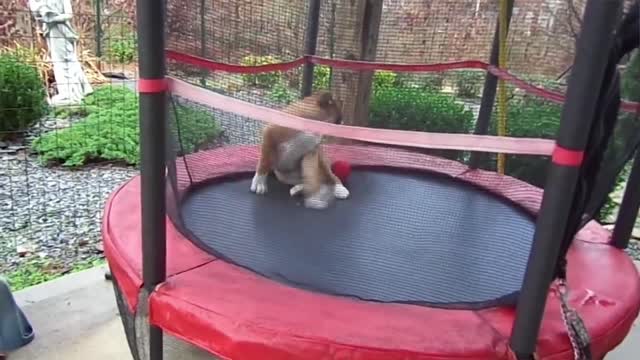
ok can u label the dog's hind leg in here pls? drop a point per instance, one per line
(316, 191)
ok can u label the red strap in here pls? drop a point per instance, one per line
(202, 63)
(566, 157)
(151, 86)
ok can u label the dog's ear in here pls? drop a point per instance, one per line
(325, 100)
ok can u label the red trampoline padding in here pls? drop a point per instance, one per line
(237, 314)
(121, 235)
(241, 315)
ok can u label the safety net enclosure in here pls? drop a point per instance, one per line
(447, 201)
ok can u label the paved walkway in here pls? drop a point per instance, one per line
(73, 316)
(76, 315)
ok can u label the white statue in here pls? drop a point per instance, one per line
(71, 81)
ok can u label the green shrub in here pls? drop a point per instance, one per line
(22, 95)
(627, 124)
(608, 210)
(197, 127)
(321, 77)
(123, 50)
(531, 116)
(282, 94)
(631, 79)
(418, 110)
(432, 82)
(534, 117)
(263, 80)
(381, 79)
(384, 80)
(469, 83)
(110, 132)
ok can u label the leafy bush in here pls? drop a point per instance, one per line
(110, 132)
(469, 83)
(197, 127)
(534, 117)
(282, 94)
(123, 49)
(381, 79)
(529, 116)
(101, 98)
(34, 56)
(631, 79)
(627, 124)
(321, 77)
(264, 80)
(429, 81)
(384, 80)
(418, 110)
(22, 95)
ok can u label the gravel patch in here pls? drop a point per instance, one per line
(634, 249)
(52, 213)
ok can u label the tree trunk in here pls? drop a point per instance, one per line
(357, 28)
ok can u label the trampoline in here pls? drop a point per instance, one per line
(428, 258)
(242, 290)
(376, 246)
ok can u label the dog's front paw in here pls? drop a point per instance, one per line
(259, 184)
(340, 191)
(295, 190)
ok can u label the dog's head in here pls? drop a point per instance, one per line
(329, 109)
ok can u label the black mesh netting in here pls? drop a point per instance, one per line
(418, 226)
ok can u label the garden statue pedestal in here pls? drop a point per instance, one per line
(71, 81)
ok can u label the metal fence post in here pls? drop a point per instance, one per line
(313, 24)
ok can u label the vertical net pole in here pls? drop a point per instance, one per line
(98, 28)
(332, 35)
(490, 87)
(203, 40)
(592, 54)
(628, 208)
(311, 43)
(153, 122)
(502, 89)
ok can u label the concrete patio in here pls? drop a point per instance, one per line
(76, 316)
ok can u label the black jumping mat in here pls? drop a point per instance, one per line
(409, 237)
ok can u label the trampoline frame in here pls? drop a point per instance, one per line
(233, 323)
(600, 17)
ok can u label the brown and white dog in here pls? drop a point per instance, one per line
(296, 157)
